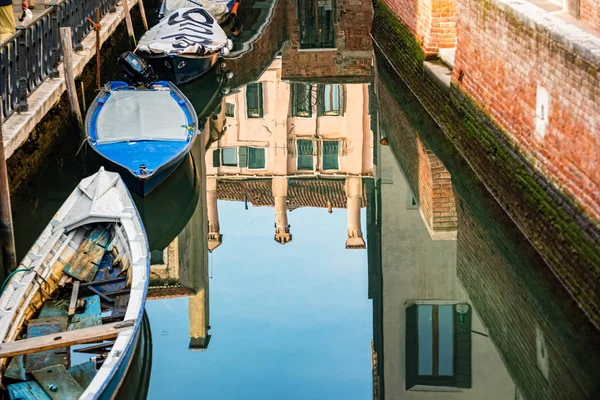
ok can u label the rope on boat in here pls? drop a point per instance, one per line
(8, 278)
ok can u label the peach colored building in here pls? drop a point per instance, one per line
(281, 131)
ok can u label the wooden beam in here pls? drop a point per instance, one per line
(74, 296)
(102, 295)
(64, 339)
(104, 282)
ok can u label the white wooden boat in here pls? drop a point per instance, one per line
(83, 281)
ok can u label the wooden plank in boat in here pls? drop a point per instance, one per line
(56, 377)
(30, 390)
(74, 296)
(43, 327)
(83, 373)
(86, 261)
(54, 309)
(64, 339)
(91, 315)
(16, 369)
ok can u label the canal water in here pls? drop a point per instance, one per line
(372, 288)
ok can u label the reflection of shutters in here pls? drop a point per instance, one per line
(305, 154)
(256, 158)
(301, 100)
(330, 154)
(341, 99)
(412, 347)
(254, 100)
(462, 336)
(217, 158)
(243, 157)
(320, 100)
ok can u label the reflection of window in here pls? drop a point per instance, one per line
(229, 110)
(301, 100)
(256, 158)
(230, 157)
(412, 202)
(254, 100)
(330, 99)
(330, 154)
(316, 19)
(305, 153)
(438, 346)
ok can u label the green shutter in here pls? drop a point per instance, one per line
(320, 100)
(341, 99)
(462, 348)
(256, 158)
(217, 158)
(243, 157)
(412, 346)
(331, 154)
(305, 153)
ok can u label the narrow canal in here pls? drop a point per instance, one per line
(392, 266)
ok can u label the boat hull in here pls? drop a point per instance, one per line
(145, 186)
(181, 69)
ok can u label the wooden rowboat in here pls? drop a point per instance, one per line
(84, 281)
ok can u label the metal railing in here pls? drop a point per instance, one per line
(33, 53)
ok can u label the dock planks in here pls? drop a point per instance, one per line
(64, 339)
(43, 327)
(56, 376)
(85, 262)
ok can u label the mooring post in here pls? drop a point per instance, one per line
(129, 23)
(97, 26)
(9, 254)
(67, 50)
(143, 14)
(22, 68)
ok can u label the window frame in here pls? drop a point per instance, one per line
(294, 94)
(229, 107)
(323, 155)
(260, 100)
(298, 140)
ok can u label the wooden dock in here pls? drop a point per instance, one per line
(19, 125)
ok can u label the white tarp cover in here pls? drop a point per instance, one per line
(216, 8)
(130, 115)
(190, 30)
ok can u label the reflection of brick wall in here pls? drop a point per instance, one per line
(433, 22)
(514, 294)
(427, 177)
(349, 62)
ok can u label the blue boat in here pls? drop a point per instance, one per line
(142, 132)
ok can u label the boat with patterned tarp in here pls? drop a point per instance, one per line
(70, 314)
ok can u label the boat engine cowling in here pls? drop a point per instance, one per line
(137, 70)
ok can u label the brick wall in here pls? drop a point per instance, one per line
(568, 239)
(427, 177)
(503, 64)
(433, 22)
(515, 295)
(349, 62)
(590, 13)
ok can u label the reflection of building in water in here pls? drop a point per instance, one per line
(301, 145)
(430, 337)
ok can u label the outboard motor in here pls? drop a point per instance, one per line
(138, 72)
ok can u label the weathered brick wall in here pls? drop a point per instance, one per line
(568, 239)
(514, 295)
(590, 13)
(427, 177)
(349, 62)
(502, 63)
(433, 22)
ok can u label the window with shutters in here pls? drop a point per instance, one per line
(331, 154)
(301, 100)
(438, 346)
(330, 100)
(254, 100)
(229, 156)
(256, 158)
(317, 23)
(229, 110)
(305, 151)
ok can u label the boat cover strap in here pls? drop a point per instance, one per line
(132, 115)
